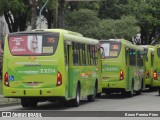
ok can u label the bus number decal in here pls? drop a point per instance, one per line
(47, 71)
(111, 69)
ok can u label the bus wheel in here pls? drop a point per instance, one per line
(130, 93)
(33, 103)
(91, 98)
(67, 103)
(98, 95)
(151, 89)
(24, 102)
(159, 92)
(75, 102)
(138, 92)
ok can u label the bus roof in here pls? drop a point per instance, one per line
(118, 40)
(60, 31)
(68, 35)
(125, 42)
(86, 40)
(72, 36)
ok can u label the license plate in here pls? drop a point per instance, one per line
(32, 84)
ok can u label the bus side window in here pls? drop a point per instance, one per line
(138, 58)
(83, 54)
(132, 57)
(88, 55)
(96, 55)
(76, 53)
(66, 50)
(141, 59)
(126, 56)
(91, 55)
(93, 51)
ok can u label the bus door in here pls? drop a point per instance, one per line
(127, 67)
(68, 61)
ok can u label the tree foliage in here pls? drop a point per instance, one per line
(86, 22)
(147, 13)
(111, 9)
(98, 19)
(126, 28)
(15, 12)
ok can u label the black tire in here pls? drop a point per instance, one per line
(131, 92)
(67, 103)
(98, 95)
(91, 98)
(33, 104)
(75, 102)
(159, 92)
(138, 92)
(24, 102)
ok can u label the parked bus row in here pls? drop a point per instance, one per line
(55, 64)
(152, 66)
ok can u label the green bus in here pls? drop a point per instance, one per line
(156, 67)
(51, 65)
(149, 60)
(122, 67)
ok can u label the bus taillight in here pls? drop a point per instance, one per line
(6, 82)
(59, 79)
(121, 75)
(155, 75)
(147, 74)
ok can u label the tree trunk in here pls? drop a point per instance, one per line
(33, 4)
(61, 13)
(144, 36)
(22, 22)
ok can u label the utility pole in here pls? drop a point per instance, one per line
(40, 13)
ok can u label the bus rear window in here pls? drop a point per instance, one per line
(111, 49)
(33, 44)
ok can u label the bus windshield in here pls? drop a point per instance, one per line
(33, 44)
(111, 49)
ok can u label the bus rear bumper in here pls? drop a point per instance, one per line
(43, 92)
(113, 86)
(156, 83)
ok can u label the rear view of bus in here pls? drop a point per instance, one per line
(112, 67)
(149, 60)
(122, 67)
(156, 67)
(51, 65)
(31, 64)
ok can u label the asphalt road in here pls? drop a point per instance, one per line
(147, 101)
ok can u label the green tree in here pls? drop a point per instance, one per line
(112, 9)
(147, 13)
(126, 28)
(84, 21)
(15, 12)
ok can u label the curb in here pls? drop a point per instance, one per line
(8, 101)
